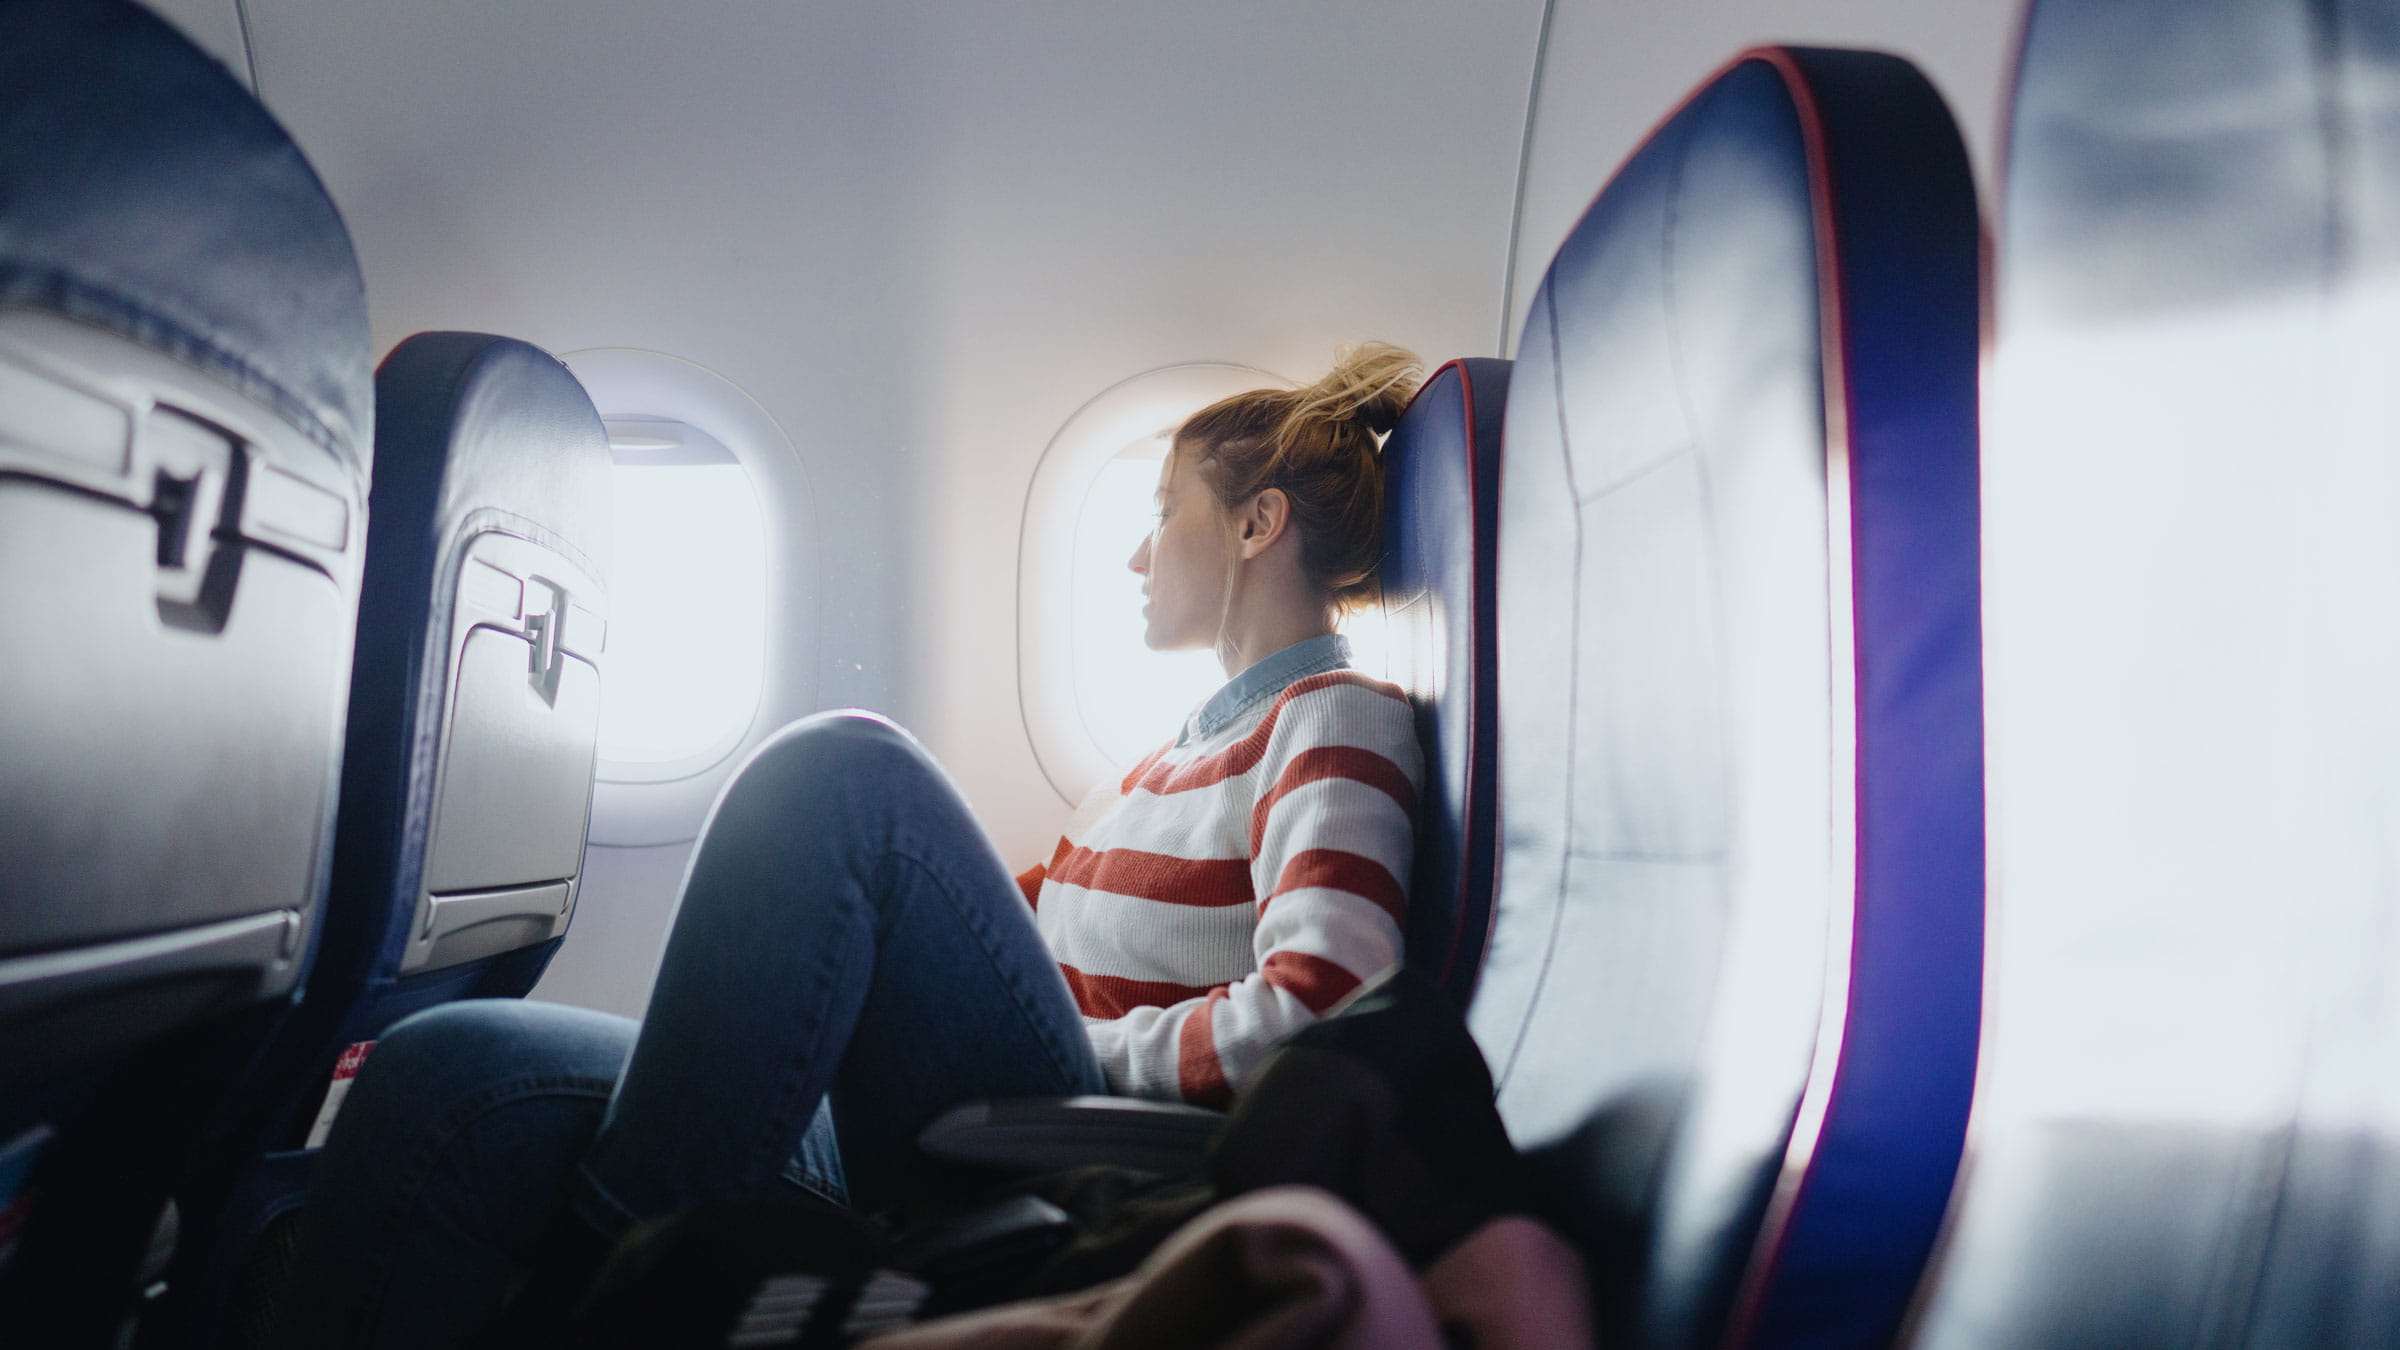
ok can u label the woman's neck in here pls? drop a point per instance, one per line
(1270, 603)
(1249, 638)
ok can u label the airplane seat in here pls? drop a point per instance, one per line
(2189, 1130)
(185, 415)
(466, 790)
(1441, 470)
(1731, 999)
(1441, 500)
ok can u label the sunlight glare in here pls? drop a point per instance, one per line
(1133, 699)
(687, 623)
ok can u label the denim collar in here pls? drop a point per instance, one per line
(1264, 680)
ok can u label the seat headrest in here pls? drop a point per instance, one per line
(174, 212)
(482, 424)
(1440, 511)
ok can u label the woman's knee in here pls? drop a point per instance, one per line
(847, 757)
(844, 736)
(459, 1050)
(450, 1156)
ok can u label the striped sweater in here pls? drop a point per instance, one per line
(1236, 884)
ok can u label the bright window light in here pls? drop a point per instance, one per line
(1370, 641)
(1094, 699)
(687, 603)
(1132, 699)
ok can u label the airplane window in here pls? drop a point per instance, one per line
(1095, 699)
(1370, 641)
(1130, 698)
(687, 598)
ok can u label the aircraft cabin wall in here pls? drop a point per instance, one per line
(903, 244)
(1611, 70)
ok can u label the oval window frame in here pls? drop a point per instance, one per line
(636, 805)
(1131, 410)
(664, 443)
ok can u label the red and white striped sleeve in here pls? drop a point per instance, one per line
(1331, 836)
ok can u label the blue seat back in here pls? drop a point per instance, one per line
(185, 439)
(1731, 999)
(1440, 504)
(184, 445)
(2189, 1131)
(466, 790)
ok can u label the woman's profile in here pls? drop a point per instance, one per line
(850, 957)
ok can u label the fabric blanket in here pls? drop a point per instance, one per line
(1291, 1267)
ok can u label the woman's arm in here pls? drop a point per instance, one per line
(1332, 837)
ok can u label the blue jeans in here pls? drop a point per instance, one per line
(847, 937)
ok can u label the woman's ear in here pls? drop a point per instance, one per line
(1262, 521)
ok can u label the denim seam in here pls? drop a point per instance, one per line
(977, 925)
(821, 1187)
(437, 1143)
(767, 1156)
(615, 1217)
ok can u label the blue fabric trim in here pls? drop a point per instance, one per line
(1441, 500)
(1907, 243)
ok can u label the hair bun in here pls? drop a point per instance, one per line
(1317, 446)
(1370, 383)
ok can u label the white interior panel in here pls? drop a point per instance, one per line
(623, 907)
(1614, 69)
(922, 234)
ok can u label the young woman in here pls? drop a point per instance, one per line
(850, 959)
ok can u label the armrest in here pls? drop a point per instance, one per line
(1048, 1134)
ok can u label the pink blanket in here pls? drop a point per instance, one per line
(1294, 1267)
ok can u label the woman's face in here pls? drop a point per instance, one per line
(1185, 561)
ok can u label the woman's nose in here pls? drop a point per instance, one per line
(1140, 561)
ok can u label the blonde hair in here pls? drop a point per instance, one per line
(1320, 446)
